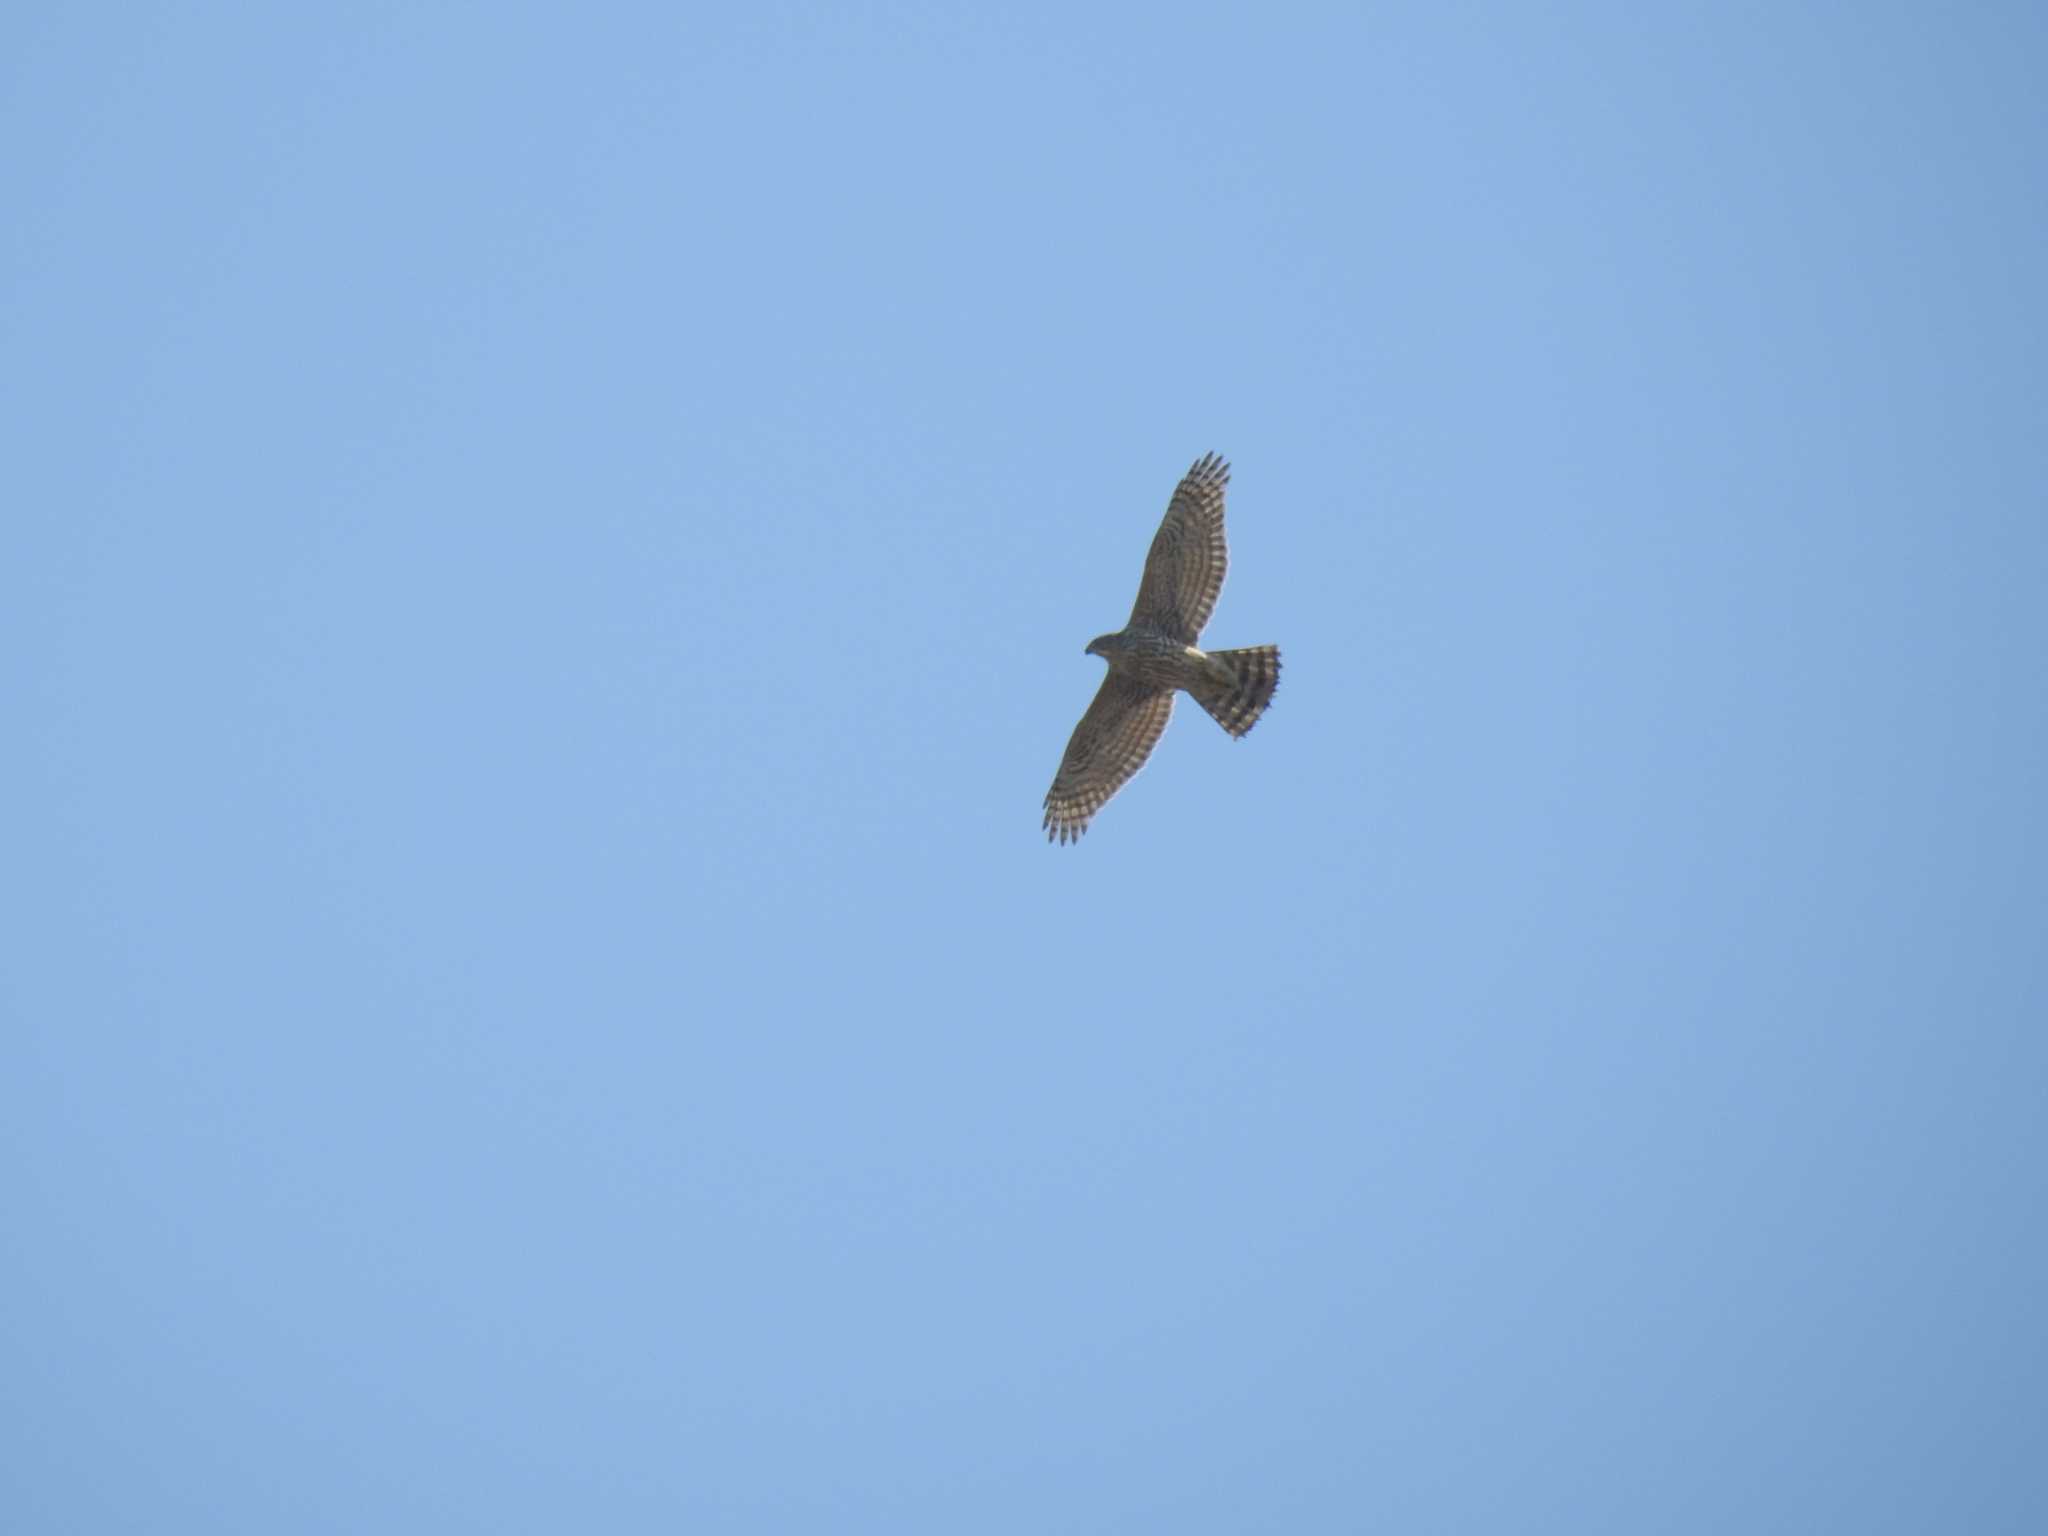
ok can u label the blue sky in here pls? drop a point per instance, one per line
(548, 561)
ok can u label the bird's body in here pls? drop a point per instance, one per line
(1148, 656)
(1155, 656)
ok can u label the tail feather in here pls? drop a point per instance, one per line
(1242, 687)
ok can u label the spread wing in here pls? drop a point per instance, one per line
(1110, 744)
(1184, 571)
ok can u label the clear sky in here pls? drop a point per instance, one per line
(547, 558)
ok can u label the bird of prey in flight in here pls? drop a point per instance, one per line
(1154, 655)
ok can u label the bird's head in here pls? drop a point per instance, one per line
(1101, 646)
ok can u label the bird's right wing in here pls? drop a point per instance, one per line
(1110, 744)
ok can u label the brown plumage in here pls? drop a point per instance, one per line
(1155, 654)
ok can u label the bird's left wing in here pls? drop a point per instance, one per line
(1184, 571)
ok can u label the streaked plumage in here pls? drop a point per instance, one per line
(1155, 654)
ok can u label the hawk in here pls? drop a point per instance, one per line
(1155, 654)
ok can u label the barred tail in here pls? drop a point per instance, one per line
(1242, 686)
